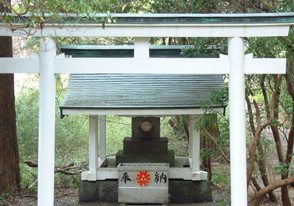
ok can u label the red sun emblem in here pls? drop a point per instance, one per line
(143, 178)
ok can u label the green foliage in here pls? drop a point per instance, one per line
(206, 47)
(4, 197)
(220, 178)
(283, 168)
(184, 6)
(46, 12)
(28, 177)
(266, 47)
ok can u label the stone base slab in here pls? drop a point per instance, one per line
(116, 204)
(180, 191)
(146, 158)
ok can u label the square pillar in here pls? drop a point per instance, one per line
(102, 145)
(194, 143)
(93, 147)
(141, 47)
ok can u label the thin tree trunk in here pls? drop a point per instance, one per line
(288, 158)
(284, 190)
(262, 169)
(274, 128)
(255, 183)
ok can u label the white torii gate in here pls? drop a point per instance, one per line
(236, 64)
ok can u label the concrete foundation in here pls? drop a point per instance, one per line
(180, 191)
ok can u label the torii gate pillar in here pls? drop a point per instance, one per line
(46, 151)
(237, 122)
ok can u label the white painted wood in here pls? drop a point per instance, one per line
(194, 135)
(93, 146)
(19, 65)
(111, 172)
(166, 65)
(137, 112)
(158, 65)
(237, 123)
(46, 149)
(190, 148)
(180, 173)
(190, 159)
(261, 65)
(62, 55)
(265, 66)
(152, 30)
(141, 47)
(107, 173)
(190, 142)
(174, 173)
(199, 175)
(102, 145)
(140, 66)
(102, 162)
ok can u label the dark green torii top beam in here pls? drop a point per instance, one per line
(248, 18)
(127, 51)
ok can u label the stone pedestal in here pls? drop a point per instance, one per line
(145, 145)
(180, 191)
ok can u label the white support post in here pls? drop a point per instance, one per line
(237, 123)
(46, 150)
(194, 143)
(102, 145)
(93, 147)
(141, 47)
(190, 141)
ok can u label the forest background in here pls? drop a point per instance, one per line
(269, 98)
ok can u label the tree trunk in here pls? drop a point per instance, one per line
(262, 169)
(285, 195)
(9, 157)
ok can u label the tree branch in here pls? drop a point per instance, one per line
(64, 169)
(271, 187)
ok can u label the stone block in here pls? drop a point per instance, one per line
(138, 133)
(99, 191)
(180, 191)
(154, 146)
(146, 158)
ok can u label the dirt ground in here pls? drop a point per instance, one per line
(63, 197)
(69, 197)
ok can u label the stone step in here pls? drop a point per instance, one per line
(109, 204)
